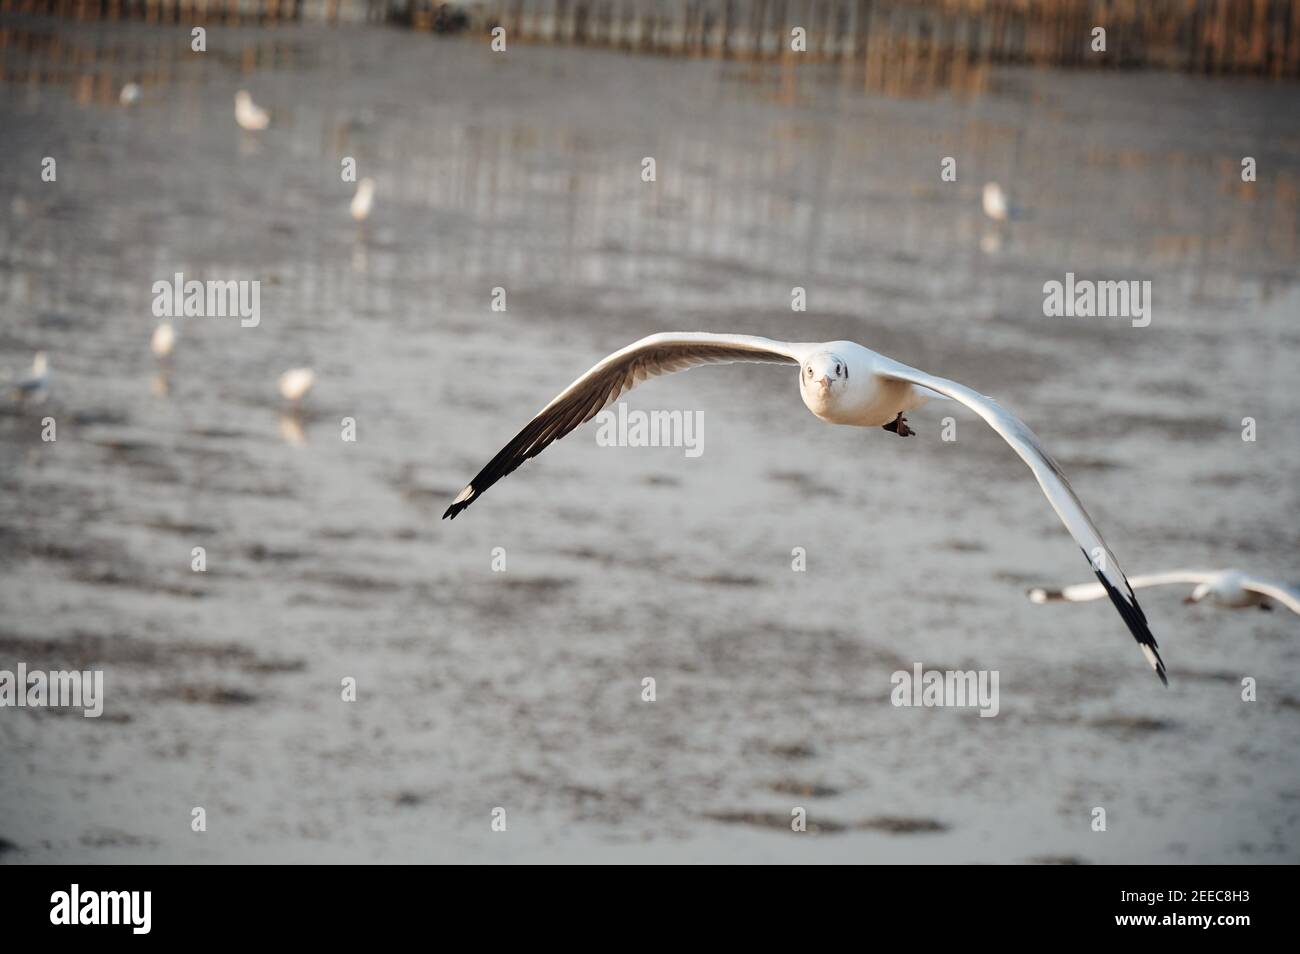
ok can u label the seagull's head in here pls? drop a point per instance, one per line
(1201, 592)
(1225, 588)
(823, 378)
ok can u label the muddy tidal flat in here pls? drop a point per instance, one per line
(478, 688)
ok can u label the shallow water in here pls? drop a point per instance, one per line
(522, 689)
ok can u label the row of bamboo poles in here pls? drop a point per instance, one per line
(203, 12)
(1218, 36)
(1260, 37)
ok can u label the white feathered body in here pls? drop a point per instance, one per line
(36, 383)
(994, 201)
(863, 399)
(248, 114)
(296, 382)
(163, 340)
(1229, 591)
(363, 200)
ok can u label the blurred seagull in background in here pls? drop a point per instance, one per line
(130, 94)
(295, 383)
(248, 114)
(163, 340)
(35, 386)
(995, 202)
(364, 199)
(840, 382)
(1230, 589)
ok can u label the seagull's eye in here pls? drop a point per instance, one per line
(837, 370)
(810, 371)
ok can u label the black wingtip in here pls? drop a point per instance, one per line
(463, 500)
(1137, 624)
(1158, 664)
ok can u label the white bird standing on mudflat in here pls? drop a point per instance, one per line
(1230, 589)
(248, 114)
(841, 382)
(295, 383)
(163, 340)
(364, 199)
(994, 201)
(36, 383)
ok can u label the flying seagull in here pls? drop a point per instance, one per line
(1231, 589)
(840, 382)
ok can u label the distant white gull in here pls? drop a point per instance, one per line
(364, 199)
(163, 340)
(130, 94)
(295, 383)
(994, 201)
(248, 114)
(840, 382)
(35, 385)
(1230, 589)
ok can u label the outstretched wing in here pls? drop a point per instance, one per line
(1059, 494)
(1082, 592)
(611, 377)
(1285, 595)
